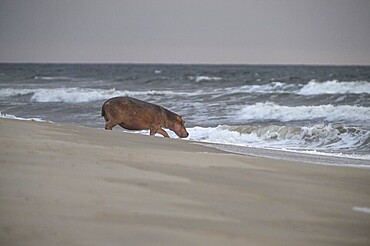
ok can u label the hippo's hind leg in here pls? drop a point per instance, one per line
(109, 122)
(153, 131)
(109, 125)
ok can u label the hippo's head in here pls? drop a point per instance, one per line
(179, 127)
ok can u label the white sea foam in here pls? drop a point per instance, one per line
(13, 117)
(271, 111)
(273, 87)
(334, 87)
(312, 88)
(316, 137)
(200, 78)
(52, 78)
(73, 95)
(10, 92)
(365, 157)
(78, 95)
(362, 209)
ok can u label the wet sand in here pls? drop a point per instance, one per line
(66, 185)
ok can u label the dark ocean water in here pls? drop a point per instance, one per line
(320, 109)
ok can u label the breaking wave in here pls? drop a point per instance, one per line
(78, 95)
(200, 78)
(273, 87)
(51, 78)
(321, 137)
(311, 88)
(334, 87)
(273, 112)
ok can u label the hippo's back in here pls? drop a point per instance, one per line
(129, 104)
(131, 113)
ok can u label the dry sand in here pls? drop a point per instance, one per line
(65, 185)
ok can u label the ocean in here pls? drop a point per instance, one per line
(318, 110)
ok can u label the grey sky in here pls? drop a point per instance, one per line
(187, 31)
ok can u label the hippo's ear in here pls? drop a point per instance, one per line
(179, 119)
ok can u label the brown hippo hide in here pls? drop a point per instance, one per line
(134, 114)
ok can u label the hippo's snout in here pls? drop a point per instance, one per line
(184, 135)
(181, 132)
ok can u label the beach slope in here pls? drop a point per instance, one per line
(67, 185)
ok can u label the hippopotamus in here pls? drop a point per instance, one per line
(134, 114)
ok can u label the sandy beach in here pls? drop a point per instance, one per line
(67, 185)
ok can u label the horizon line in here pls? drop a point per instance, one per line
(187, 63)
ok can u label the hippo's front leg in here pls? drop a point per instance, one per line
(163, 132)
(153, 131)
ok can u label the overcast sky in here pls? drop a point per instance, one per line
(187, 31)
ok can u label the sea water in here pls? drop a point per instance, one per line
(311, 109)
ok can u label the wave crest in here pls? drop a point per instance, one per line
(273, 112)
(78, 95)
(317, 137)
(200, 78)
(311, 88)
(334, 87)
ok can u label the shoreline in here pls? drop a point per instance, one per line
(308, 157)
(318, 158)
(71, 185)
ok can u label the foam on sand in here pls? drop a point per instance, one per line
(13, 117)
